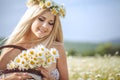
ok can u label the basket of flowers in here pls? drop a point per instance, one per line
(29, 60)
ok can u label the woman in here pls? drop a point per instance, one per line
(39, 25)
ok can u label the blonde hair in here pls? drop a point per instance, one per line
(25, 23)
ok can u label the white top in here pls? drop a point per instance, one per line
(55, 74)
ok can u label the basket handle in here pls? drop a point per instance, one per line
(12, 46)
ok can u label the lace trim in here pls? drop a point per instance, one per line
(55, 74)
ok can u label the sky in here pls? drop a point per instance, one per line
(86, 20)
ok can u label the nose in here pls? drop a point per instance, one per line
(45, 26)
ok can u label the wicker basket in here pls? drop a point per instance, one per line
(36, 75)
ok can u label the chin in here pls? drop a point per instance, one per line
(41, 35)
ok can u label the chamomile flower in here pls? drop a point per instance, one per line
(54, 52)
(31, 52)
(47, 53)
(41, 61)
(33, 58)
(49, 60)
(41, 48)
(11, 65)
(54, 11)
(62, 11)
(48, 3)
(45, 65)
(32, 64)
(53, 59)
(17, 60)
(22, 64)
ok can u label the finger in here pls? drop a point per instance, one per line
(41, 68)
(22, 75)
(44, 79)
(45, 74)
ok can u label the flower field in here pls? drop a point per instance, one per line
(94, 68)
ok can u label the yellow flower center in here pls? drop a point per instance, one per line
(54, 11)
(35, 59)
(49, 60)
(26, 58)
(23, 62)
(42, 49)
(18, 60)
(40, 54)
(54, 52)
(48, 3)
(32, 62)
(32, 52)
(24, 54)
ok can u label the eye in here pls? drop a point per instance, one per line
(41, 19)
(51, 23)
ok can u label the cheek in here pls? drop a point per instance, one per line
(35, 26)
(50, 28)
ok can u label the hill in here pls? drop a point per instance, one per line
(86, 46)
(80, 46)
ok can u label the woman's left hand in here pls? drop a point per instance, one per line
(45, 73)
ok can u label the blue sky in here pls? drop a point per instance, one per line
(86, 20)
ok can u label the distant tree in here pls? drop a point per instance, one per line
(71, 52)
(106, 49)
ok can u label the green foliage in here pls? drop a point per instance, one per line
(91, 49)
(88, 53)
(79, 46)
(107, 49)
(72, 52)
(2, 41)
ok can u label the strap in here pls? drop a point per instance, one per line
(12, 46)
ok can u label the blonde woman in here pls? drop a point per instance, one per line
(39, 25)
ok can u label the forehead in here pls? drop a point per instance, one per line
(48, 15)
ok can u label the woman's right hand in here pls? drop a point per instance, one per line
(17, 76)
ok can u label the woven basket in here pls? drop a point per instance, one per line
(36, 75)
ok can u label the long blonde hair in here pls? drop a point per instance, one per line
(25, 23)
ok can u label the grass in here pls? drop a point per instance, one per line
(94, 68)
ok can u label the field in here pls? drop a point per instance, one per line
(94, 68)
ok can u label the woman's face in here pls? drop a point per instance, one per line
(43, 25)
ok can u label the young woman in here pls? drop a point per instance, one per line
(39, 25)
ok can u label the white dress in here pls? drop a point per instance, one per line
(55, 74)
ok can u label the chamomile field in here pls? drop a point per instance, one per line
(94, 68)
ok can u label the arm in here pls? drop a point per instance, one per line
(5, 58)
(16, 76)
(62, 63)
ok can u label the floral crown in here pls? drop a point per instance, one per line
(54, 7)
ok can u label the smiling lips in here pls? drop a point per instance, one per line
(41, 31)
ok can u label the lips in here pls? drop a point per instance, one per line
(41, 31)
